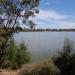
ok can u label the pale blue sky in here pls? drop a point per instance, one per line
(56, 14)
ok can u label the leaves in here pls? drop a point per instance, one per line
(26, 2)
(2, 1)
(11, 12)
(66, 59)
(12, 8)
(17, 55)
(28, 13)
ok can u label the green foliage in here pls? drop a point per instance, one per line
(16, 56)
(11, 50)
(72, 63)
(11, 11)
(66, 59)
(22, 56)
(2, 1)
(43, 68)
(14, 9)
(32, 24)
(1, 40)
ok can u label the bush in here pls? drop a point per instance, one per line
(66, 59)
(72, 63)
(44, 68)
(16, 56)
(22, 55)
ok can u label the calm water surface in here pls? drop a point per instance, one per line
(42, 45)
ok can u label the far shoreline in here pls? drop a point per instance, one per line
(49, 30)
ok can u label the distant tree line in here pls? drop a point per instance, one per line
(37, 30)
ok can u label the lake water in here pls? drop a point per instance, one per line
(43, 45)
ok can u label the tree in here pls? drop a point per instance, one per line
(32, 25)
(11, 11)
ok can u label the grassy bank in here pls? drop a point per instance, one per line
(41, 68)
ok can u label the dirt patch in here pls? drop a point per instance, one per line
(9, 72)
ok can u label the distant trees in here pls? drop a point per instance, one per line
(66, 59)
(12, 12)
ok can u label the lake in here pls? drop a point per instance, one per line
(43, 45)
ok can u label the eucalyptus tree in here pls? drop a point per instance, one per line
(32, 24)
(12, 13)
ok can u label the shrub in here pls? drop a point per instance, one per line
(22, 55)
(66, 59)
(16, 56)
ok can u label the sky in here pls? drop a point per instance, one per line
(56, 14)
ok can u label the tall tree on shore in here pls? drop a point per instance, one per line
(12, 12)
(32, 25)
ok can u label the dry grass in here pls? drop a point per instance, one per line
(9, 72)
(43, 68)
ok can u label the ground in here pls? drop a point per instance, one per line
(9, 72)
